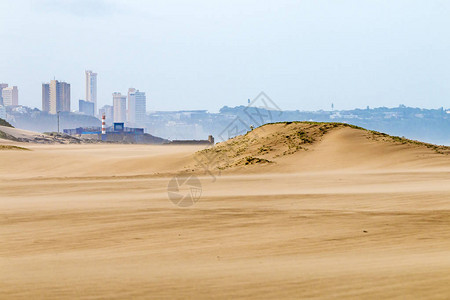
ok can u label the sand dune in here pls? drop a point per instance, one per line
(20, 135)
(346, 215)
(306, 147)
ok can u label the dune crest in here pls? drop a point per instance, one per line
(310, 145)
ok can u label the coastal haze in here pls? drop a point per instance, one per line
(238, 149)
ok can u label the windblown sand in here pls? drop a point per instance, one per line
(349, 218)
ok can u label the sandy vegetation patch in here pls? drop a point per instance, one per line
(11, 147)
(264, 144)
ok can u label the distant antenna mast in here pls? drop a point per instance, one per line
(58, 120)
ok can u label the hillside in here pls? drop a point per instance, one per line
(4, 123)
(289, 143)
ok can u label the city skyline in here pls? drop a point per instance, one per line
(130, 108)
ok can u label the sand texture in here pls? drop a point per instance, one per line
(332, 213)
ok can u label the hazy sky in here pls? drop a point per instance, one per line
(207, 54)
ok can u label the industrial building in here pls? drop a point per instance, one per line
(116, 133)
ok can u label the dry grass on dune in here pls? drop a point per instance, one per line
(265, 144)
(269, 143)
(11, 147)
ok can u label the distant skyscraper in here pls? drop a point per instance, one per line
(137, 107)
(55, 96)
(91, 88)
(2, 86)
(10, 96)
(86, 107)
(59, 96)
(46, 97)
(131, 112)
(141, 107)
(108, 111)
(120, 107)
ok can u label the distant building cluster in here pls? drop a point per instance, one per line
(56, 95)
(9, 96)
(130, 109)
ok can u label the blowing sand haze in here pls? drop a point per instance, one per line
(300, 210)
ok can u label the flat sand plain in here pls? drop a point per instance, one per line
(351, 218)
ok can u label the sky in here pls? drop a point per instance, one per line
(303, 54)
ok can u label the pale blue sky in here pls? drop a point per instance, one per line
(207, 54)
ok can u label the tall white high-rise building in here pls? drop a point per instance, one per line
(10, 96)
(137, 107)
(91, 88)
(120, 108)
(131, 112)
(141, 107)
(46, 97)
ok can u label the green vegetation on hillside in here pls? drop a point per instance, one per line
(5, 123)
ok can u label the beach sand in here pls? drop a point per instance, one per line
(350, 218)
